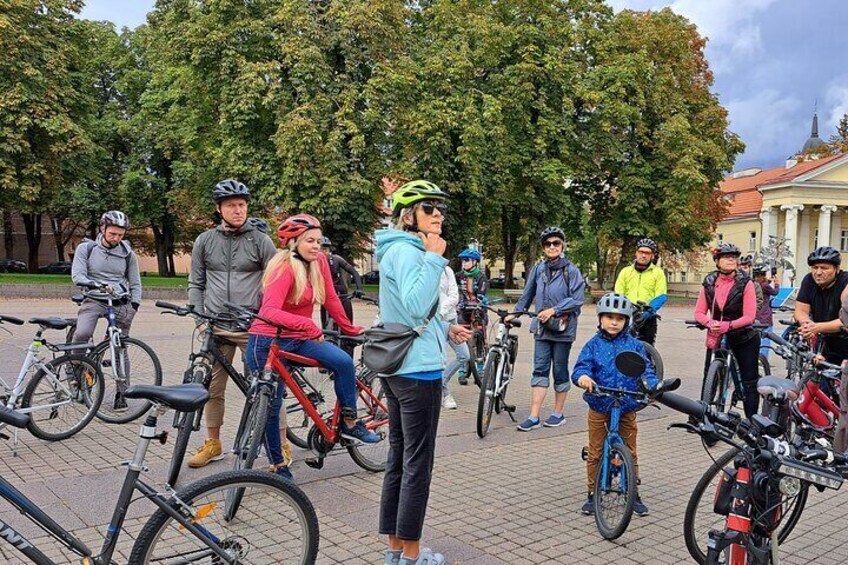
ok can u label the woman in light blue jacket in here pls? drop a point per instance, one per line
(411, 266)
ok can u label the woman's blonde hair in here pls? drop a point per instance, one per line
(284, 259)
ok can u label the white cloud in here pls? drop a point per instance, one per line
(763, 122)
(835, 105)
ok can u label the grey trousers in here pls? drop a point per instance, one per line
(90, 311)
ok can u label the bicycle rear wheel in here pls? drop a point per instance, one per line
(275, 523)
(318, 386)
(136, 364)
(656, 359)
(374, 413)
(700, 518)
(615, 492)
(64, 394)
(717, 392)
(486, 398)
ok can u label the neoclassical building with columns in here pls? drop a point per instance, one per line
(805, 202)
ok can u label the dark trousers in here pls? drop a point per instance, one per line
(414, 407)
(747, 356)
(648, 331)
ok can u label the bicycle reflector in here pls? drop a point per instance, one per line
(810, 473)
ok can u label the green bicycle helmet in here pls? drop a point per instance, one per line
(414, 192)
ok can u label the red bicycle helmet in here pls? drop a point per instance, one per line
(294, 226)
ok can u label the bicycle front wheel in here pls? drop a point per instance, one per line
(700, 517)
(248, 439)
(135, 363)
(275, 523)
(184, 424)
(486, 398)
(63, 396)
(374, 413)
(615, 492)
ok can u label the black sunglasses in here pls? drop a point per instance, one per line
(431, 207)
(552, 243)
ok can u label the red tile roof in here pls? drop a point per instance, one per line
(745, 197)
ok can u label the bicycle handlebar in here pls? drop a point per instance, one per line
(599, 391)
(11, 320)
(807, 355)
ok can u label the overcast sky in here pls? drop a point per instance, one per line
(772, 59)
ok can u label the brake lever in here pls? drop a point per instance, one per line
(692, 429)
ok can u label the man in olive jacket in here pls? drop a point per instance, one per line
(227, 263)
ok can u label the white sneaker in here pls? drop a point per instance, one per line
(449, 402)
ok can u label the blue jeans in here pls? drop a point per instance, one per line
(544, 352)
(765, 342)
(461, 360)
(330, 356)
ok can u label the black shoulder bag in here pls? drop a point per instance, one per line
(387, 344)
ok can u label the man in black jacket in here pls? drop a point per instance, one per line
(341, 270)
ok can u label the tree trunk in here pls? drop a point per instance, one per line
(510, 246)
(32, 226)
(58, 240)
(8, 234)
(161, 250)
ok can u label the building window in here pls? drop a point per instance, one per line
(843, 241)
(683, 276)
(720, 238)
(752, 241)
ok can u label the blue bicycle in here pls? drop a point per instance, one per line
(615, 482)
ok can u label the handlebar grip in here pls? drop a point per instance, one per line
(694, 408)
(166, 305)
(12, 320)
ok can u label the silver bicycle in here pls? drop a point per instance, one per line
(62, 393)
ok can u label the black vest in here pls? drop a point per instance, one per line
(732, 307)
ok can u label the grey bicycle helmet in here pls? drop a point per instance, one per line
(824, 255)
(325, 242)
(760, 269)
(229, 189)
(551, 232)
(649, 243)
(614, 303)
(258, 224)
(115, 218)
(746, 260)
(725, 248)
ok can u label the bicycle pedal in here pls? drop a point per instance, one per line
(314, 463)
(4, 436)
(508, 408)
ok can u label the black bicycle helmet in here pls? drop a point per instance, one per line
(746, 260)
(725, 248)
(824, 255)
(325, 242)
(229, 189)
(550, 232)
(649, 243)
(258, 224)
(115, 218)
(760, 269)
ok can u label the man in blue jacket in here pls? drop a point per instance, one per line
(556, 286)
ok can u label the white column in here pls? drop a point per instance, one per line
(824, 224)
(791, 235)
(836, 228)
(769, 219)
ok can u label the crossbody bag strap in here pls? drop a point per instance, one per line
(420, 329)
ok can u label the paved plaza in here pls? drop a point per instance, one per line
(510, 498)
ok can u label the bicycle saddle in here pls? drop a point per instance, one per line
(13, 418)
(53, 322)
(78, 298)
(184, 398)
(778, 388)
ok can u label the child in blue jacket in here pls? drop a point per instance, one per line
(596, 365)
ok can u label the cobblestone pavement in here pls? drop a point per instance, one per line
(510, 498)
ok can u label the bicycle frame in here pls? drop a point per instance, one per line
(132, 483)
(611, 438)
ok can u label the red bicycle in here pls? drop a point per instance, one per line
(325, 433)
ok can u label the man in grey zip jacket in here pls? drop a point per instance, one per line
(227, 263)
(107, 260)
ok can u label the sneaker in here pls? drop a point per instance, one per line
(425, 557)
(554, 421)
(359, 433)
(393, 556)
(207, 453)
(589, 506)
(639, 507)
(528, 424)
(282, 470)
(463, 379)
(449, 402)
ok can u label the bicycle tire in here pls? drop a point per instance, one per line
(279, 525)
(184, 427)
(373, 456)
(695, 534)
(251, 431)
(85, 384)
(486, 397)
(608, 529)
(715, 388)
(472, 365)
(655, 358)
(298, 422)
(150, 375)
(764, 366)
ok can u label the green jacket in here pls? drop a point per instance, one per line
(641, 287)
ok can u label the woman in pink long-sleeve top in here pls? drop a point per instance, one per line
(727, 306)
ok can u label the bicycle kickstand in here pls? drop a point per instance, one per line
(509, 409)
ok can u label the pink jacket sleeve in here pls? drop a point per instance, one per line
(749, 308)
(331, 299)
(701, 313)
(274, 307)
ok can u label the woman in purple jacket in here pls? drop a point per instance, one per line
(764, 316)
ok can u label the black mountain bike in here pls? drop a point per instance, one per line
(273, 522)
